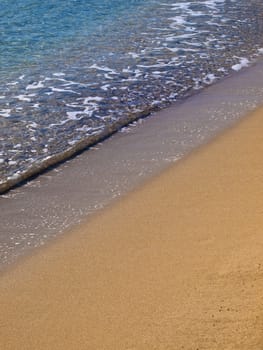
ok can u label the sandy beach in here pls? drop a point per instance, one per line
(176, 264)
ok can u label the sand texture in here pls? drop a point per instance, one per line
(176, 264)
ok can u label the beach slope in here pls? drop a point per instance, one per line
(176, 264)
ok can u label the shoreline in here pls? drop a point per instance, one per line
(175, 264)
(54, 160)
(40, 211)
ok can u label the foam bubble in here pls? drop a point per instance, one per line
(209, 78)
(104, 69)
(94, 98)
(133, 54)
(58, 74)
(5, 113)
(54, 89)
(244, 62)
(23, 98)
(35, 85)
(179, 20)
(11, 162)
(73, 115)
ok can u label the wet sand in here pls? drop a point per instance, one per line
(35, 213)
(176, 264)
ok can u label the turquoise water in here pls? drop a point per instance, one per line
(31, 30)
(71, 72)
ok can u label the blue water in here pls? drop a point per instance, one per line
(33, 30)
(72, 72)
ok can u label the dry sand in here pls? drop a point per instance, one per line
(177, 264)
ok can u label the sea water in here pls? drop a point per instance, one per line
(74, 71)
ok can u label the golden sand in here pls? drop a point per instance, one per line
(177, 264)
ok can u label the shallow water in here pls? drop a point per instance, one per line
(74, 71)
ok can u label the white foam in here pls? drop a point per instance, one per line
(2, 161)
(209, 78)
(179, 20)
(105, 87)
(182, 36)
(12, 84)
(72, 142)
(85, 128)
(58, 74)
(90, 109)
(154, 65)
(72, 115)
(133, 54)
(104, 69)
(63, 90)
(73, 105)
(176, 49)
(157, 72)
(180, 5)
(197, 82)
(14, 176)
(107, 76)
(5, 113)
(23, 98)
(33, 125)
(127, 70)
(137, 73)
(12, 162)
(89, 130)
(244, 62)
(95, 98)
(36, 85)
